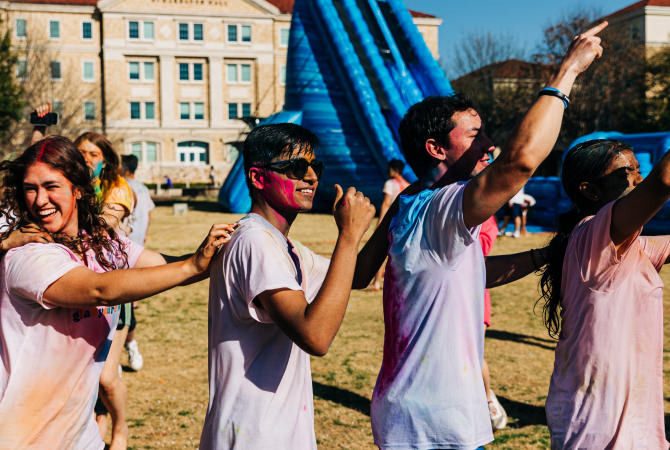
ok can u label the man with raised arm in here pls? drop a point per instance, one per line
(429, 393)
(273, 302)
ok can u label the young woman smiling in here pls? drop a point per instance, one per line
(58, 300)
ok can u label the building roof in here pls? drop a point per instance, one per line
(639, 5)
(286, 6)
(59, 2)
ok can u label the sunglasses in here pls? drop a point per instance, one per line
(296, 167)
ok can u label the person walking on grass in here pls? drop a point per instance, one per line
(273, 302)
(429, 393)
(603, 300)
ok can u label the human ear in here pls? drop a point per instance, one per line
(590, 191)
(436, 150)
(257, 178)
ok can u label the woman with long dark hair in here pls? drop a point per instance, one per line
(603, 300)
(58, 300)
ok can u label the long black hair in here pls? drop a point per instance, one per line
(62, 155)
(586, 162)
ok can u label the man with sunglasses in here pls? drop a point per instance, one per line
(429, 392)
(273, 302)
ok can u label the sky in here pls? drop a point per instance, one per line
(525, 19)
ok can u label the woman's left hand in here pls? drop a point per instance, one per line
(218, 235)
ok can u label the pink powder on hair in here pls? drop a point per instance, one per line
(44, 145)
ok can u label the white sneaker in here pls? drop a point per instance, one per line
(135, 360)
(497, 413)
(516, 235)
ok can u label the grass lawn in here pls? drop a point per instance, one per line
(168, 397)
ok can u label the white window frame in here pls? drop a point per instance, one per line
(85, 39)
(141, 71)
(240, 109)
(23, 76)
(282, 75)
(191, 111)
(83, 110)
(140, 31)
(238, 70)
(83, 70)
(190, 27)
(191, 71)
(239, 40)
(51, 38)
(16, 28)
(281, 32)
(60, 69)
(193, 150)
(142, 159)
(143, 110)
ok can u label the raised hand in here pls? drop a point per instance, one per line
(353, 212)
(584, 49)
(218, 235)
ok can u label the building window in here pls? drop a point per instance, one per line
(21, 69)
(282, 75)
(149, 110)
(232, 33)
(87, 31)
(197, 32)
(184, 111)
(283, 37)
(20, 28)
(87, 69)
(197, 71)
(183, 32)
(89, 111)
(239, 33)
(238, 73)
(193, 152)
(135, 111)
(54, 29)
(148, 71)
(183, 71)
(235, 108)
(148, 31)
(245, 73)
(55, 70)
(232, 111)
(190, 71)
(144, 151)
(134, 30)
(57, 107)
(134, 70)
(198, 111)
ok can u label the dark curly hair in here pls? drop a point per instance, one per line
(111, 171)
(585, 162)
(62, 155)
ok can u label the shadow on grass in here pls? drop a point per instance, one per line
(548, 344)
(523, 413)
(345, 398)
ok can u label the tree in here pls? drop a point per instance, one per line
(481, 49)
(658, 81)
(11, 93)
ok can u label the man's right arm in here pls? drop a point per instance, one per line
(313, 326)
(533, 139)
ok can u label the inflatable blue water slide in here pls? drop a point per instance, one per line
(354, 68)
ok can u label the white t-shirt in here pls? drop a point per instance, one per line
(260, 384)
(50, 357)
(518, 198)
(393, 187)
(139, 217)
(430, 393)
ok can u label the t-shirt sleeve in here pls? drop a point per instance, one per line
(31, 269)
(260, 264)
(391, 188)
(121, 194)
(596, 253)
(448, 233)
(657, 249)
(133, 250)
